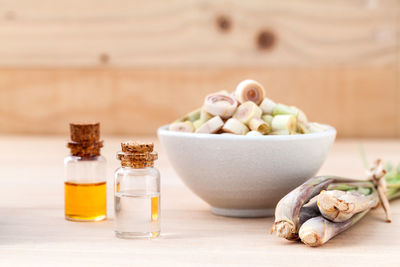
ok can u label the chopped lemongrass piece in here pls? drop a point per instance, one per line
(195, 115)
(302, 127)
(249, 90)
(204, 115)
(247, 111)
(220, 105)
(254, 133)
(267, 118)
(247, 102)
(281, 109)
(267, 106)
(186, 126)
(257, 124)
(234, 126)
(198, 123)
(284, 122)
(211, 126)
(339, 206)
(318, 230)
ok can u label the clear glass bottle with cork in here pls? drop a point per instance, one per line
(137, 192)
(85, 182)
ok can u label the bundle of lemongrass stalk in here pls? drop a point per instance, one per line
(325, 206)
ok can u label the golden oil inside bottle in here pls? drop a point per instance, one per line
(154, 208)
(154, 214)
(118, 187)
(85, 201)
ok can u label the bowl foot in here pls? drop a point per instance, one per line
(243, 213)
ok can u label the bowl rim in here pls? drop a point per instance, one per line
(163, 131)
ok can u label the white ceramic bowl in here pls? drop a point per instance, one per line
(245, 176)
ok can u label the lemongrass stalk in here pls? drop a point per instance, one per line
(287, 211)
(339, 206)
(342, 187)
(319, 230)
(309, 210)
(295, 217)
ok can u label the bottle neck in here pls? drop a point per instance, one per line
(85, 149)
(137, 160)
(128, 163)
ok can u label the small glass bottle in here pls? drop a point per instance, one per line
(137, 192)
(85, 181)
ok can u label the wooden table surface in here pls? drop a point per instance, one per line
(33, 230)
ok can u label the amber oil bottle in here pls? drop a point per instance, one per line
(85, 179)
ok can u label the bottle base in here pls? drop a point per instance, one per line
(136, 235)
(74, 218)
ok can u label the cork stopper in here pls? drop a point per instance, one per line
(85, 139)
(137, 154)
(85, 132)
(137, 147)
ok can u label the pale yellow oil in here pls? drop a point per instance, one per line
(154, 208)
(154, 205)
(137, 214)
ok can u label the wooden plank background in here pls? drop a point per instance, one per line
(135, 65)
